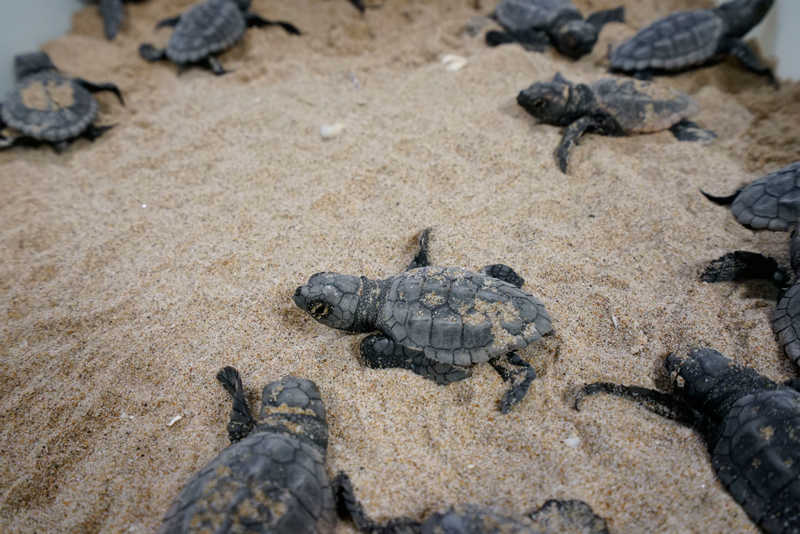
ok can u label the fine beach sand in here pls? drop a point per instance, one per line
(133, 268)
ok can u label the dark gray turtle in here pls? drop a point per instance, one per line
(207, 29)
(272, 477)
(750, 424)
(553, 517)
(49, 107)
(770, 203)
(610, 106)
(435, 321)
(539, 23)
(743, 265)
(691, 38)
(359, 5)
(113, 14)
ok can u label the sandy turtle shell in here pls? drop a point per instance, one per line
(771, 202)
(458, 316)
(49, 107)
(677, 41)
(205, 29)
(272, 481)
(751, 426)
(641, 107)
(518, 15)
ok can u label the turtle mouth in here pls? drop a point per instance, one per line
(298, 297)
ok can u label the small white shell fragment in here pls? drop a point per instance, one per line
(453, 62)
(329, 131)
(572, 441)
(614, 320)
(175, 420)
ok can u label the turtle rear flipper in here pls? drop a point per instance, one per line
(97, 87)
(113, 14)
(742, 51)
(520, 379)
(530, 39)
(598, 19)
(170, 22)
(743, 265)
(151, 53)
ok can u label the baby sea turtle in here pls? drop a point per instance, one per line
(48, 107)
(359, 5)
(272, 477)
(206, 29)
(610, 106)
(744, 265)
(750, 424)
(553, 517)
(691, 38)
(539, 23)
(435, 321)
(113, 14)
(769, 203)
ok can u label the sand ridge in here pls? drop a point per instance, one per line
(133, 268)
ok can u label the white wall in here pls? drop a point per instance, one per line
(779, 36)
(27, 24)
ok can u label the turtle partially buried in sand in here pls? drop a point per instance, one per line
(750, 424)
(553, 517)
(610, 106)
(435, 321)
(689, 39)
(207, 29)
(536, 24)
(46, 106)
(272, 478)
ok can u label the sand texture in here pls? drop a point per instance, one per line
(133, 268)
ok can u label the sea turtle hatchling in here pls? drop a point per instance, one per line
(553, 517)
(750, 424)
(688, 39)
(610, 106)
(435, 321)
(206, 29)
(744, 265)
(272, 478)
(539, 23)
(46, 106)
(770, 203)
(113, 14)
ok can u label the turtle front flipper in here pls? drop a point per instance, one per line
(97, 87)
(151, 53)
(215, 66)
(170, 22)
(786, 323)
(722, 201)
(687, 130)
(348, 506)
(572, 133)
(92, 132)
(655, 401)
(520, 379)
(421, 259)
(257, 21)
(504, 273)
(530, 39)
(242, 421)
(359, 5)
(741, 51)
(598, 19)
(744, 265)
(381, 352)
(113, 14)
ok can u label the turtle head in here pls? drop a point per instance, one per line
(741, 16)
(243, 5)
(547, 101)
(335, 300)
(706, 379)
(294, 405)
(27, 64)
(576, 38)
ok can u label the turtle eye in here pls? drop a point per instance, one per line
(538, 103)
(319, 309)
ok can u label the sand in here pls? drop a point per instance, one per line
(133, 268)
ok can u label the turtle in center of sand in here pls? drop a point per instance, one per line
(610, 106)
(206, 29)
(435, 321)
